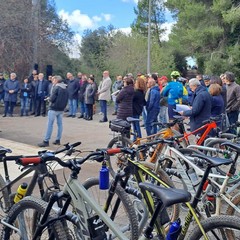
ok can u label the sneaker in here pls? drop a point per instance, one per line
(114, 113)
(44, 144)
(100, 113)
(56, 142)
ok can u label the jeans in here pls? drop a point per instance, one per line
(72, 103)
(83, 108)
(25, 105)
(51, 118)
(144, 115)
(2, 97)
(9, 107)
(103, 106)
(151, 118)
(163, 114)
(233, 117)
(136, 128)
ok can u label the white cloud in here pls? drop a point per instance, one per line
(168, 27)
(76, 19)
(74, 46)
(107, 17)
(135, 1)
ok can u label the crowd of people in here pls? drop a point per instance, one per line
(152, 97)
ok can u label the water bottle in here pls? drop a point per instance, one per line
(174, 230)
(21, 191)
(104, 177)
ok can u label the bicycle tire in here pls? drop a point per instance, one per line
(165, 178)
(236, 201)
(217, 224)
(32, 205)
(126, 206)
(117, 161)
(5, 204)
(221, 169)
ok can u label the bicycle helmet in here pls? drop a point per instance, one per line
(175, 74)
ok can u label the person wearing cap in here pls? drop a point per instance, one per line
(201, 105)
(174, 92)
(2, 81)
(233, 98)
(207, 79)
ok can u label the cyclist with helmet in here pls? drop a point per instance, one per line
(174, 92)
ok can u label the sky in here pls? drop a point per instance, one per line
(91, 14)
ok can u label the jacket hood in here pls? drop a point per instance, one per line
(200, 88)
(156, 88)
(61, 85)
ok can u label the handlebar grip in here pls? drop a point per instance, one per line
(29, 160)
(75, 144)
(113, 151)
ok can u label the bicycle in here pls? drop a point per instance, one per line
(211, 228)
(129, 176)
(82, 203)
(165, 197)
(40, 173)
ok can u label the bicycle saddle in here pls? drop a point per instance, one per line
(131, 119)
(232, 145)
(4, 150)
(214, 161)
(168, 196)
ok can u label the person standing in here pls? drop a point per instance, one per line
(163, 114)
(125, 99)
(233, 98)
(152, 106)
(104, 94)
(82, 88)
(33, 104)
(41, 93)
(11, 88)
(201, 105)
(138, 104)
(2, 81)
(174, 92)
(25, 92)
(57, 103)
(116, 87)
(72, 87)
(89, 98)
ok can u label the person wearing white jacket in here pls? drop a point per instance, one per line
(104, 94)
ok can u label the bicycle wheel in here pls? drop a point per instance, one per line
(24, 216)
(236, 201)
(126, 217)
(174, 210)
(218, 227)
(5, 200)
(119, 160)
(222, 169)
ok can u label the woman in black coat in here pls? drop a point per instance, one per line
(125, 99)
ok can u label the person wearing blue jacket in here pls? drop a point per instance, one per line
(201, 105)
(11, 88)
(152, 106)
(174, 92)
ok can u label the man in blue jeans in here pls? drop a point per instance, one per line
(57, 103)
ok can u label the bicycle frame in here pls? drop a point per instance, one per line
(208, 127)
(40, 171)
(81, 200)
